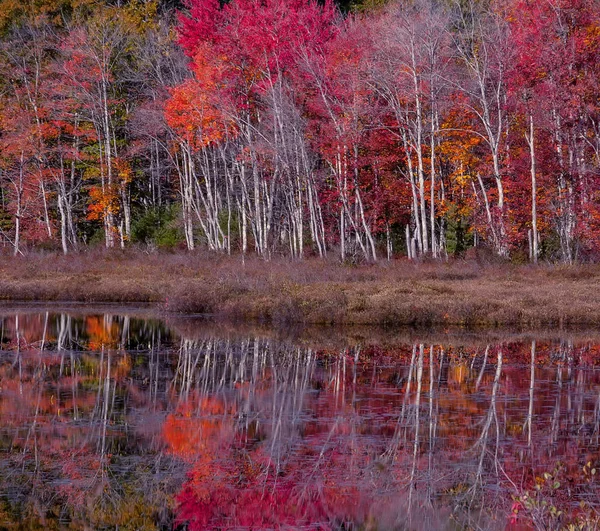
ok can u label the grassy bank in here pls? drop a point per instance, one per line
(313, 291)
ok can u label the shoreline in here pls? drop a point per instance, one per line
(313, 292)
(204, 327)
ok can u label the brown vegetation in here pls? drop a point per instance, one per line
(464, 293)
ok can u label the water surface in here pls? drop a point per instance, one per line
(111, 420)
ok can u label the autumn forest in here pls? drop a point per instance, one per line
(295, 128)
(328, 265)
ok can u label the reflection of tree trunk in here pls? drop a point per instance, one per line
(413, 471)
(105, 411)
(556, 414)
(481, 372)
(18, 354)
(280, 385)
(184, 374)
(74, 387)
(392, 449)
(529, 418)
(483, 438)
(32, 432)
(432, 425)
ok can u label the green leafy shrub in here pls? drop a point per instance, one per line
(158, 227)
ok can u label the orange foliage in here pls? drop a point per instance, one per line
(101, 333)
(195, 110)
(198, 430)
(102, 202)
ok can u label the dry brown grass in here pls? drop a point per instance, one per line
(320, 292)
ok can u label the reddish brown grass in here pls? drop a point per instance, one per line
(463, 293)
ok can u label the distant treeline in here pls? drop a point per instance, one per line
(302, 128)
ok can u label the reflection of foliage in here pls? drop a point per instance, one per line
(245, 488)
(101, 332)
(67, 459)
(192, 437)
(217, 433)
(139, 503)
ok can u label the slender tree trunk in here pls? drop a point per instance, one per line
(19, 212)
(63, 222)
(45, 203)
(534, 223)
(419, 151)
(434, 246)
(415, 200)
(17, 241)
(342, 234)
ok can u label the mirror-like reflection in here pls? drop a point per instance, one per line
(113, 421)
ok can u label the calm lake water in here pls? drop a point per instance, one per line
(112, 421)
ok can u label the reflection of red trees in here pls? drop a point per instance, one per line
(101, 332)
(199, 429)
(263, 449)
(242, 488)
(250, 505)
(25, 332)
(235, 481)
(356, 444)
